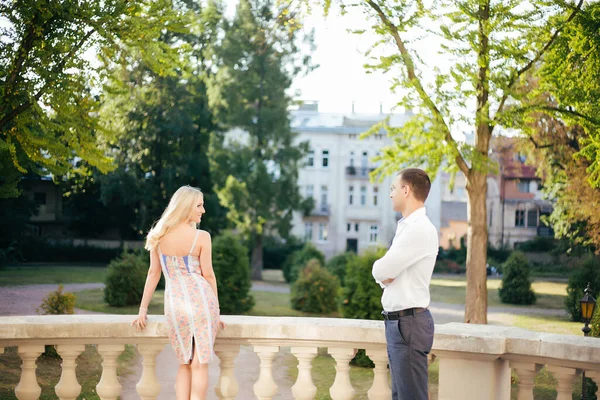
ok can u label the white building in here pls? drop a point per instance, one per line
(351, 212)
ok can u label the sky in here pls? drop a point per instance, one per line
(341, 78)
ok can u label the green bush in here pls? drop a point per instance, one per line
(125, 279)
(500, 254)
(538, 244)
(57, 303)
(298, 260)
(232, 269)
(361, 295)
(595, 325)
(516, 284)
(587, 271)
(36, 250)
(276, 251)
(315, 291)
(337, 265)
(448, 267)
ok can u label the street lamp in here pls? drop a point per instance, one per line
(588, 304)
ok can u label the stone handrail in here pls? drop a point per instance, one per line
(475, 360)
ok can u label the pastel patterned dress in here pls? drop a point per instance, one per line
(191, 307)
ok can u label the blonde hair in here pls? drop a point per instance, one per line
(179, 209)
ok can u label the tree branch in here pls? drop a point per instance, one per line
(517, 74)
(57, 68)
(415, 82)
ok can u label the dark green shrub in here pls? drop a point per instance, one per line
(361, 295)
(587, 271)
(337, 265)
(448, 267)
(276, 251)
(516, 284)
(538, 244)
(36, 250)
(315, 290)
(595, 325)
(298, 260)
(232, 269)
(125, 279)
(499, 254)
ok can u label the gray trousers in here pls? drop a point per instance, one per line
(409, 340)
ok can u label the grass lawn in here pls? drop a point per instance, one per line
(40, 273)
(88, 372)
(453, 290)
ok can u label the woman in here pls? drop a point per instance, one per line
(183, 253)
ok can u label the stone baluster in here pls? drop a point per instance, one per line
(304, 388)
(381, 386)
(526, 373)
(595, 376)
(342, 387)
(148, 387)
(227, 388)
(565, 377)
(28, 388)
(68, 388)
(109, 388)
(265, 387)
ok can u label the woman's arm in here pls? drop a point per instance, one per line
(152, 280)
(206, 261)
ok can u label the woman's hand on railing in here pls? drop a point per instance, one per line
(140, 321)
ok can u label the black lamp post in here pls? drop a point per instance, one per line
(588, 304)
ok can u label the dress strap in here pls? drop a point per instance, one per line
(194, 244)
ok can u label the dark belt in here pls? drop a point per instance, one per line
(393, 315)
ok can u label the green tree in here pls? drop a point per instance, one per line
(256, 170)
(164, 125)
(48, 109)
(492, 46)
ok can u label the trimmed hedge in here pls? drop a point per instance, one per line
(338, 264)
(125, 279)
(588, 271)
(316, 290)
(516, 284)
(298, 260)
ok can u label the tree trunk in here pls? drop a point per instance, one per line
(477, 239)
(257, 257)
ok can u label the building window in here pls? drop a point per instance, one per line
(364, 161)
(310, 191)
(349, 227)
(311, 158)
(356, 227)
(352, 159)
(520, 218)
(523, 186)
(325, 158)
(39, 198)
(375, 195)
(322, 232)
(350, 195)
(308, 231)
(363, 195)
(324, 197)
(532, 218)
(373, 234)
(491, 215)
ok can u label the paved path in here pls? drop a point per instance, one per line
(23, 300)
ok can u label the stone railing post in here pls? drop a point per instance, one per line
(380, 389)
(342, 387)
(109, 387)
(148, 387)
(265, 387)
(28, 388)
(68, 388)
(304, 388)
(227, 387)
(565, 378)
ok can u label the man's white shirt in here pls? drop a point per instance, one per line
(409, 261)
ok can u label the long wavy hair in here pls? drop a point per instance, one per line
(179, 210)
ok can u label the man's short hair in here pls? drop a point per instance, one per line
(418, 180)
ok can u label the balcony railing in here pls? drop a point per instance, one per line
(475, 361)
(321, 210)
(358, 172)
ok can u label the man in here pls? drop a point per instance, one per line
(404, 273)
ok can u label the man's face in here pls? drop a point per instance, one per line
(398, 193)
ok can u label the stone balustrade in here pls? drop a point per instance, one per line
(475, 361)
